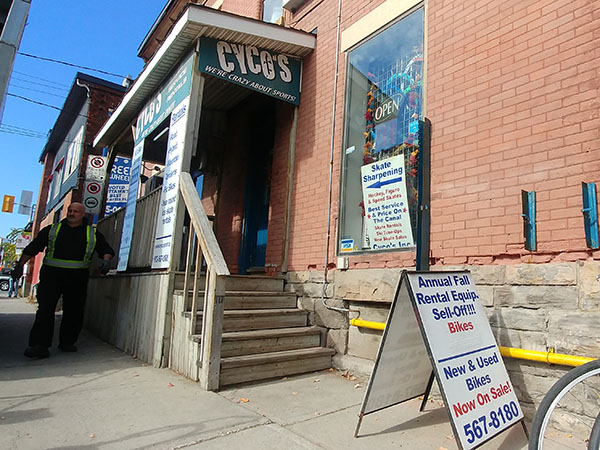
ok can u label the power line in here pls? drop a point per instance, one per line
(36, 90)
(39, 103)
(40, 84)
(70, 64)
(41, 79)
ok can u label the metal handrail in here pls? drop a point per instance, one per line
(214, 290)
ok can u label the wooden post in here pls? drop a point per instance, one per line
(212, 330)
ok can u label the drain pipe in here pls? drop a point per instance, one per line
(333, 111)
(89, 94)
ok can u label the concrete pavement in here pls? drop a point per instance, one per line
(101, 398)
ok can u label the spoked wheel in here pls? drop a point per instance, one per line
(594, 443)
(571, 406)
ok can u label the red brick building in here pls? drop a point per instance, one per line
(89, 103)
(512, 94)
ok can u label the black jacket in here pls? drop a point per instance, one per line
(70, 242)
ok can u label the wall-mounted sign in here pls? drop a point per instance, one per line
(92, 196)
(162, 104)
(261, 70)
(387, 216)
(118, 185)
(136, 163)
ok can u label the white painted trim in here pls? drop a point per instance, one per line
(207, 17)
(379, 17)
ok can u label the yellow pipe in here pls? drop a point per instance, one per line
(510, 352)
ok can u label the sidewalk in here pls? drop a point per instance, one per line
(101, 398)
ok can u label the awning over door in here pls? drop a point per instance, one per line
(198, 21)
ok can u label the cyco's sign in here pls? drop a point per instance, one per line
(261, 70)
(158, 108)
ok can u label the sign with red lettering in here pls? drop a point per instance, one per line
(437, 326)
(479, 396)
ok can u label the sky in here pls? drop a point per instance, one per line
(102, 35)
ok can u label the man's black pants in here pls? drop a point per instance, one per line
(54, 282)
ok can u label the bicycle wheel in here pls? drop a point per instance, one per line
(570, 406)
(594, 443)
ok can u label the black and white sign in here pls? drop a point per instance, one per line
(96, 168)
(92, 196)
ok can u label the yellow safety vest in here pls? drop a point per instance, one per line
(50, 260)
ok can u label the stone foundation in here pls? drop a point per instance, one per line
(529, 306)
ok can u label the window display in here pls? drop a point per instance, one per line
(381, 144)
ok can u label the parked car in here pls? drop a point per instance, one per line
(4, 279)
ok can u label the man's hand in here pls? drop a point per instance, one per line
(104, 266)
(17, 272)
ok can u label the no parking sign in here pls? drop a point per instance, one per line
(92, 196)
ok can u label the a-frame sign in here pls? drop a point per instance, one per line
(437, 324)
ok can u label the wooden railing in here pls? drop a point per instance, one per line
(202, 243)
(142, 240)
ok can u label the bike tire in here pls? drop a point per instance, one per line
(594, 443)
(553, 396)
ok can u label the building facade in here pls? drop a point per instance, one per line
(89, 103)
(511, 92)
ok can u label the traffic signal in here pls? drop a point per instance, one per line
(8, 203)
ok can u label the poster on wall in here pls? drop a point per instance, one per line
(136, 164)
(118, 185)
(170, 189)
(387, 216)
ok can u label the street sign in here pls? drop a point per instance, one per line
(25, 203)
(92, 196)
(96, 168)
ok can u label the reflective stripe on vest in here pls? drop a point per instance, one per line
(50, 260)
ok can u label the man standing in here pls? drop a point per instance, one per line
(69, 245)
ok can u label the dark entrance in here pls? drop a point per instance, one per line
(261, 133)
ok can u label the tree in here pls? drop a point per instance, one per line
(9, 246)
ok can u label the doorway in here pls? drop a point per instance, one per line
(259, 146)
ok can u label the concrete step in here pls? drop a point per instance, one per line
(240, 343)
(240, 369)
(251, 300)
(259, 319)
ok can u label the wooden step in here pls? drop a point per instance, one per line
(237, 283)
(240, 369)
(259, 319)
(251, 300)
(240, 343)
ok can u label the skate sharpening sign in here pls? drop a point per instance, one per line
(463, 356)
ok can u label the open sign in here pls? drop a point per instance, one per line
(386, 110)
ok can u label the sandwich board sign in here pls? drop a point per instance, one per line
(456, 342)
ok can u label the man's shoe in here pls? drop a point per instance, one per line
(37, 351)
(67, 348)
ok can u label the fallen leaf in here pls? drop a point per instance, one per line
(92, 435)
(316, 381)
(294, 393)
(171, 385)
(357, 386)
(569, 435)
(285, 378)
(331, 369)
(243, 400)
(443, 448)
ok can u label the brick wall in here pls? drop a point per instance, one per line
(247, 8)
(513, 95)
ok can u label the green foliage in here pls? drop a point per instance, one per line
(9, 246)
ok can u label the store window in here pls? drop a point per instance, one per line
(381, 146)
(272, 10)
